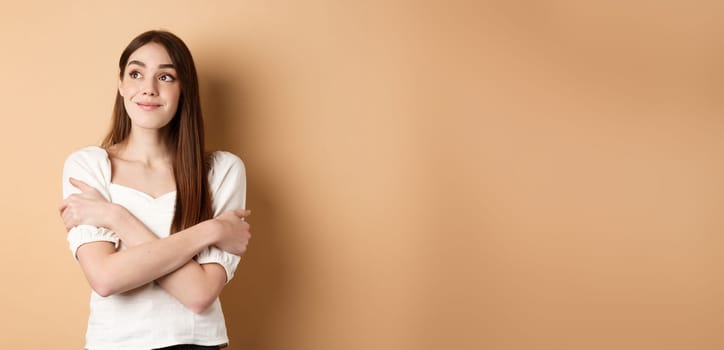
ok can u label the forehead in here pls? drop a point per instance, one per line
(152, 54)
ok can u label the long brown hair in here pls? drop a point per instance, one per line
(184, 133)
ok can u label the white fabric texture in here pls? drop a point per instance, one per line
(150, 317)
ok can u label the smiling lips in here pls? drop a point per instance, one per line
(148, 106)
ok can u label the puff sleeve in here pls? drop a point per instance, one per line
(227, 184)
(90, 165)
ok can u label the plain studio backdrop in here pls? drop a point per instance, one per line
(422, 174)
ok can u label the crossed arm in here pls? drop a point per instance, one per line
(168, 261)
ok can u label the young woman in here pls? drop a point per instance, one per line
(156, 223)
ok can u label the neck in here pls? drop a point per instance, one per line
(145, 146)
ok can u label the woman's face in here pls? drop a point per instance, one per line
(150, 87)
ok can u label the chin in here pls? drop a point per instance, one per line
(149, 124)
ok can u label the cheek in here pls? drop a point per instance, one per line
(128, 105)
(171, 97)
(127, 89)
(174, 95)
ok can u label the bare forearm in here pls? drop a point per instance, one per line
(196, 286)
(148, 261)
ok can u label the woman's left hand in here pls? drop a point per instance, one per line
(86, 208)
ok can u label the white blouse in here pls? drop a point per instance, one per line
(149, 317)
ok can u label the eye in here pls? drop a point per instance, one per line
(135, 75)
(167, 78)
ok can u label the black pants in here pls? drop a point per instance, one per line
(190, 347)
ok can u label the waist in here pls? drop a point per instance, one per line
(148, 318)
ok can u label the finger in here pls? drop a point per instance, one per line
(67, 221)
(82, 186)
(62, 207)
(66, 203)
(242, 213)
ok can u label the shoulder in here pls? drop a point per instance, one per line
(226, 171)
(222, 162)
(88, 155)
(227, 182)
(90, 165)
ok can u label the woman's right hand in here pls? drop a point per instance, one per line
(233, 232)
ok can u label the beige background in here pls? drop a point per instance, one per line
(423, 174)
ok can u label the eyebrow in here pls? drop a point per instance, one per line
(139, 63)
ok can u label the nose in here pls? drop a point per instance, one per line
(149, 87)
